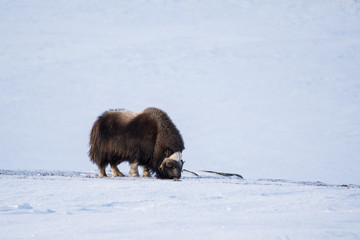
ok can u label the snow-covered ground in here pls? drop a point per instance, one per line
(266, 89)
(75, 205)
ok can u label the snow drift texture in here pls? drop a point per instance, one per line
(268, 89)
(75, 205)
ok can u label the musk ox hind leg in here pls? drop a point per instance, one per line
(115, 171)
(134, 172)
(102, 170)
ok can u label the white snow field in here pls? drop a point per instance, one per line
(266, 89)
(75, 205)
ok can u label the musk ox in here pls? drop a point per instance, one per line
(149, 139)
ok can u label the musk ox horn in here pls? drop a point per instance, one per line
(177, 156)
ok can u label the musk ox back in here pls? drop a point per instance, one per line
(148, 138)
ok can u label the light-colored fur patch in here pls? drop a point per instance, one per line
(125, 114)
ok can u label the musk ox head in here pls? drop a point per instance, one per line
(171, 167)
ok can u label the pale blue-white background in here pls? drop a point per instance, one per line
(267, 89)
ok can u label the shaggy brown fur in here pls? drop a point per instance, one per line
(146, 138)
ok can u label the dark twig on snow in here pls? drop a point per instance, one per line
(225, 174)
(184, 170)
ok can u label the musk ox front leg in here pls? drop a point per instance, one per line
(146, 172)
(134, 172)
